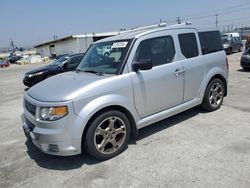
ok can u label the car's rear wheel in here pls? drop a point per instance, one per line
(107, 135)
(214, 95)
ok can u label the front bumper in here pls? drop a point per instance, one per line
(54, 138)
(46, 142)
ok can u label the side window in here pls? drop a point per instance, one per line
(159, 50)
(210, 42)
(188, 44)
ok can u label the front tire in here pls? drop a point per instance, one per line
(214, 95)
(107, 135)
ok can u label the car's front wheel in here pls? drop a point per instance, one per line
(214, 95)
(107, 135)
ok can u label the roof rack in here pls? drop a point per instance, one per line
(155, 26)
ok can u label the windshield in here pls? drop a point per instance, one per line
(105, 58)
(60, 61)
(226, 40)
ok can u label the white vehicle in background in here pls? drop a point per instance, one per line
(105, 50)
(231, 34)
(27, 59)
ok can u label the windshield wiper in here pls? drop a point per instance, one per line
(90, 71)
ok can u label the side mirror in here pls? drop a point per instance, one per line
(145, 64)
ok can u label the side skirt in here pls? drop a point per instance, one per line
(167, 113)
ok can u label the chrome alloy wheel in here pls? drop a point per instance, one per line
(110, 135)
(216, 94)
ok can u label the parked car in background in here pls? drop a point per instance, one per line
(59, 56)
(105, 50)
(245, 60)
(148, 76)
(4, 64)
(232, 44)
(64, 64)
(235, 34)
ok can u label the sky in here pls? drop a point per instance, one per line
(30, 22)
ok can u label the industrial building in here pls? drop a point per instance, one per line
(80, 43)
(71, 44)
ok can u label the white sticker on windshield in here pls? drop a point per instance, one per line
(119, 45)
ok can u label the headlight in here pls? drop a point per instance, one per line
(36, 74)
(52, 113)
(225, 45)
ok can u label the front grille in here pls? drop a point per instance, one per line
(30, 107)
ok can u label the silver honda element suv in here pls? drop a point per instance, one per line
(147, 76)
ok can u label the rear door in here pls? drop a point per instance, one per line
(193, 64)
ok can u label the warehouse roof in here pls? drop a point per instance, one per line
(85, 35)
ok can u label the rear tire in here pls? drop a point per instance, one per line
(214, 95)
(107, 135)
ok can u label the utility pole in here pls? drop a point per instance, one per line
(12, 45)
(55, 37)
(216, 19)
(178, 20)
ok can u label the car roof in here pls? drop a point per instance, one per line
(72, 55)
(126, 35)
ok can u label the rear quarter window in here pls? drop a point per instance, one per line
(188, 44)
(210, 42)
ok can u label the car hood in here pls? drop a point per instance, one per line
(43, 69)
(64, 87)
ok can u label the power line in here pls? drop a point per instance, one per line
(232, 7)
(211, 13)
(220, 13)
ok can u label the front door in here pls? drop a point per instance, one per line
(161, 87)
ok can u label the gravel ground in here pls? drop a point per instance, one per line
(192, 149)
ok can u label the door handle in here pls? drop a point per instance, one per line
(177, 72)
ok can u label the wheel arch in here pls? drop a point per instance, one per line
(219, 76)
(213, 73)
(134, 130)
